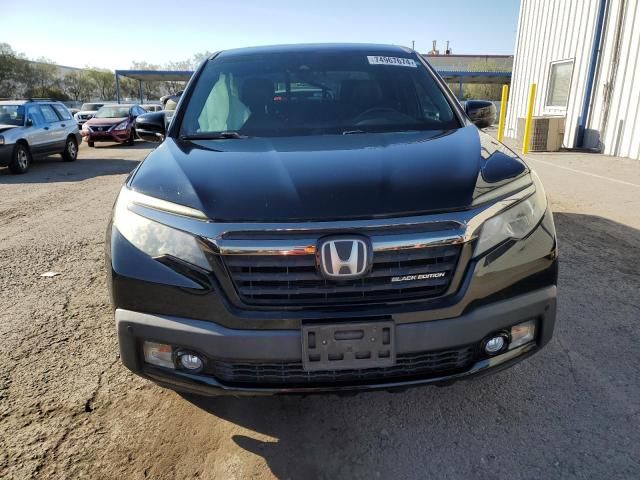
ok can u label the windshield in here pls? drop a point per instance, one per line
(91, 107)
(315, 93)
(112, 112)
(12, 115)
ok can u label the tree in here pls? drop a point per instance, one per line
(44, 81)
(482, 91)
(129, 88)
(14, 68)
(151, 90)
(198, 58)
(173, 87)
(104, 83)
(78, 86)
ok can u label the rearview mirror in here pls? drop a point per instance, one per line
(29, 122)
(481, 112)
(151, 127)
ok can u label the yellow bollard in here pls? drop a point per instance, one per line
(527, 122)
(503, 111)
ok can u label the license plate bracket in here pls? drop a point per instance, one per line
(346, 346)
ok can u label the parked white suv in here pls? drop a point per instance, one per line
(35, 127)
(87, 111)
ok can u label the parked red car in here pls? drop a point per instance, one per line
(112, 123)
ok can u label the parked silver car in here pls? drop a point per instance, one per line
(35, 127)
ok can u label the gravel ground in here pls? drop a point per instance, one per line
(68, 409)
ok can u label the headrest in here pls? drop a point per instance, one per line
(256, 93)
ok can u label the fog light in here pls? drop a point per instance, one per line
(158, 354)
(522, 333)
(494, 344)
(190, 361)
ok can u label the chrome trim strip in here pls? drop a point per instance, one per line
(266, 247)
(506, 189)
(164, 206)
(470, 222)
(308, 246)
(402, 242)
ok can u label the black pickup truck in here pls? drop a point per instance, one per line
(327, 218)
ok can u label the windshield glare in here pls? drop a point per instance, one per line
(12, 115)
(112, 112)
(314, 93)
(91, 107)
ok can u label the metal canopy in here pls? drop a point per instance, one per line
(449, 76)
(151, 76)
(467, 76)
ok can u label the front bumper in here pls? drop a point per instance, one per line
(214, 341)
(119, 136)
(6, 154)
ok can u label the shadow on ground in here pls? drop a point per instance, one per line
(104, 159)
(566, 412)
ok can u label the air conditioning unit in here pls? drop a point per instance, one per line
(546, 133)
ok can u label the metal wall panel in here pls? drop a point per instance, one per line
(617, 90)
(548, 31)
(552, 30)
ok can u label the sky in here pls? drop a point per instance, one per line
(160, 31)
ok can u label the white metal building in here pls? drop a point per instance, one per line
(584, 56)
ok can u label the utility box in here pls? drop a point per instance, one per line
(546, 133)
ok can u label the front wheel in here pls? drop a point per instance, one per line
(70, 150)
(90, 143)
(21, 160)
(132, 138)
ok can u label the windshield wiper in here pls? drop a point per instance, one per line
(353, 132)
(213, 136)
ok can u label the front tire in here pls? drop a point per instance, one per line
(90, 143)
(70, 153)
(21, 160)
(132, 138)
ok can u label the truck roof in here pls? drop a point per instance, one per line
(317, 47)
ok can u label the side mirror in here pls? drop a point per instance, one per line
(150, 127)
(29, 122)
(481, 112)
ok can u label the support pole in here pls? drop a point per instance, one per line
(460, 88)
(591, 73)
(503, 111)
(140, 91)
(117, 87)
(527, 123)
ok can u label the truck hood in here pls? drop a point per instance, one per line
(4, 128)
(328, 177)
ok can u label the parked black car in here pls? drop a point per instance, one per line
(362, 234)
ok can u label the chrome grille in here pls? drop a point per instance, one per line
(408, 365)
(294, 280)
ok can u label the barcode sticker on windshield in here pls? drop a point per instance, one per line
(396, 61)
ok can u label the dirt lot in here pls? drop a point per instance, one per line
(68, 409)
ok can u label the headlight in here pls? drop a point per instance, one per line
(153, 238)
(516, 222)
(120, 126)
